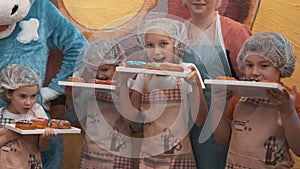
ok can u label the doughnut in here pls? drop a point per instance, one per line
(165, 66)
(40, 123)
(25, 125)
(76, 79)
(136, 64)
(171, 67)
(267, 81)
(155, 66)
(257, 80)
(225, 78)
(60, 124)
(103, 82)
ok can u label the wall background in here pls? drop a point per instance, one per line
(281, 16)
(273, 15)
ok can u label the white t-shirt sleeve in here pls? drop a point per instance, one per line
(39, 110)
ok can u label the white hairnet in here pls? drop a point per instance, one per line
(15, 76)
(272, 46)
(175, 29)
(104, 51)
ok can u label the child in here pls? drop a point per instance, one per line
(261, 132)
(19, 86)
(107, 142)
(164, 101)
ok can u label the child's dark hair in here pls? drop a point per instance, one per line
(15, 76)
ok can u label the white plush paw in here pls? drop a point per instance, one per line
(29, 31)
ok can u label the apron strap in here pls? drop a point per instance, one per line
(147, 82)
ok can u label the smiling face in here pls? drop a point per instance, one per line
(259, 68)
(106, 72)
(159, 46)
(103, 72)
(201, 7)
(22, 99)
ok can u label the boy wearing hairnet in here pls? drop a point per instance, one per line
(19, 87)
(107, 134)
(262, 131)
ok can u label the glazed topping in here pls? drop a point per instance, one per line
(62, 123)
(39, 119)
(136, 63)
(154, 64)
(24, 122)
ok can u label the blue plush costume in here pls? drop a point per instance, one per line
(29, 29)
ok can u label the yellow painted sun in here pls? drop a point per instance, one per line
(112, 18)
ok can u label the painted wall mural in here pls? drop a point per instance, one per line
(282, 16)
(117, 18)
(102, 18)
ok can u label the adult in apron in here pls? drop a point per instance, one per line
(227, 35)
(208, 53)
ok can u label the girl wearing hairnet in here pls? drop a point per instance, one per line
(107, 141)
(19, 87)
(262, 131)
(164, 102)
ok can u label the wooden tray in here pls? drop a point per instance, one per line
(245, 88)
(72, 130)
(87, 85)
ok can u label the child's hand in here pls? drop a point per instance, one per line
(282, 99)
(46, 138)
(49, 133)
(192, 77)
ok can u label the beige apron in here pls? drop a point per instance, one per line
(165, 128)
(108, 138)
(21, 153)
(258, 139)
